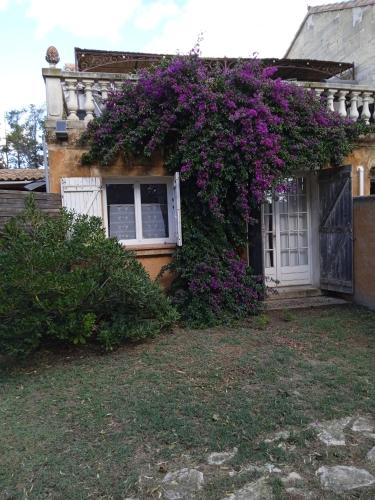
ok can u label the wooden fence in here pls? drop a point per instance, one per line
(13, 202)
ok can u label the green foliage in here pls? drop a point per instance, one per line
(287, 316)
(262, 321)
(212, 283)
(62, 279)
(235, 135)
(23, 142)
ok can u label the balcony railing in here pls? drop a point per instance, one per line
(354, 101)
(79, 96)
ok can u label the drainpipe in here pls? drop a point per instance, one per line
(45, 162)
(361, 180)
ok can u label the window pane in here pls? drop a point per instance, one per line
(302, 222)
(121, 211)
(154, 204)
(267, 207)
(284, 222)
(285, 258)
(284, 240)
(302, 204)
(293, 240)
(303, 239)
(292, 204)
(269, 259)
(294, 258)
(268, 222)
(292, 223)
(303, 257)
(283, 204)
(268, 241)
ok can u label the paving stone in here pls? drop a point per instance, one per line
(299, 494)
(363, 424)
(282, 435)
(262, 469)
(331, 432)
(341, 478)
(257, 490)
(371, 455)
(291, 479)
(220, 458)
(182, 484)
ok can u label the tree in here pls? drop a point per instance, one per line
(23, 142)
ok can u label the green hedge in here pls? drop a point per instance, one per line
(62, 279)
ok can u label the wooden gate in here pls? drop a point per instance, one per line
(336, 229)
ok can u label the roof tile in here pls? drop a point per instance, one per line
(21, 174)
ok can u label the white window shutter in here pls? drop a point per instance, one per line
(83, 195)
(177, 207)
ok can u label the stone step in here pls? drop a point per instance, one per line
(294, 292)
(303, 303)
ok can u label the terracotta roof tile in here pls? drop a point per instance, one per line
(21, 174)
(340, 6)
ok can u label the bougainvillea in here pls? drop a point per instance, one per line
(234, 134)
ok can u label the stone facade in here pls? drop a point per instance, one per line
(343, 32)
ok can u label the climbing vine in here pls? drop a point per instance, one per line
(234, 134)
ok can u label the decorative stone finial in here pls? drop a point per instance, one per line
(52, 56)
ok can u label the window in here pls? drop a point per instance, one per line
(142, 211)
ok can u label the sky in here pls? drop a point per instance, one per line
(233, 28)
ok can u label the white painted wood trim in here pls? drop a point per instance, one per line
(83, 195)
(136, 182)
(177, 207)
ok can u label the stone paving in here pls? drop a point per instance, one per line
(338, 479)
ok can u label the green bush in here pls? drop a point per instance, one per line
(62, 279)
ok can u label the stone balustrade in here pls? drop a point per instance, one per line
(79, 96)
(354, 101)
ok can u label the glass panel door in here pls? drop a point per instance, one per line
(293, 225)
(286, 235)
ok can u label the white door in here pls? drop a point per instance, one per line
(286, 236)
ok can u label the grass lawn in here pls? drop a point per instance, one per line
(85, 425)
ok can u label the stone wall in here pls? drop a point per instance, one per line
(364, 251)
(346, 35)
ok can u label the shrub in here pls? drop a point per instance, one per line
(235, 134)
(212, 283)
(62, 279)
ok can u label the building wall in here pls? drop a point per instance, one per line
(65, 161)
(364, 251)
(362, 155)
(346, 35)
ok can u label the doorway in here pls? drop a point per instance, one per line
(286, 232)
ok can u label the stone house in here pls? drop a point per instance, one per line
(304, 239)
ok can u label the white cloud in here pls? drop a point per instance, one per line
(84, 18)
(233, 28)
(151, 15)
(3, 4)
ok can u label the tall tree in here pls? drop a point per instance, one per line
(23, 141)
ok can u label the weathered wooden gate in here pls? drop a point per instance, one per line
(336, 229)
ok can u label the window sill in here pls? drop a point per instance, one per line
(152, 250)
